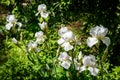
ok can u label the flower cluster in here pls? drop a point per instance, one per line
(12, 21)
(39, 40)
(81, 62)
(44, 14)
(40, 35)
(67, 36)
(89, 62)
(98, 33)
(67, 39)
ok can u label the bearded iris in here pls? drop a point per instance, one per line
(66, 37)
(65, 60)
(12, 21)
(42, 11)
(98, 33)
(89, 62)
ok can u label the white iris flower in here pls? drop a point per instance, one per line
(89, 62)
(65, 60)
(12, 21)
(39, 37)
(32, 45)
(66, 37)
(98, 33)
(42, 10)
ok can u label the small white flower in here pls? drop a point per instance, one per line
(89, 62)
(39, 37)
(39, 34)
(67, 46)
(43, 26)
(14, 40)
(98, 33)
(42, 11)
(65, 60)
(32, 45)
(66, 64)
(12, 21)
(63, 56)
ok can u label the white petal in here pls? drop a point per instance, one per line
(60, 41)
(98, 31)
(91, 41)
(63, 56)
(92, 57)
(39, 34)
(86, 61)
(43, 25)
(11, 18)
(68, 36)
(93, 71)
(19, 24)
(66, 64)
(62, 31)
(42, 8)
(40, 40)
(14, 40)
(8, 26)
(32, 45)
(80, 56)
(67, 46)
(106, 41)
(89, 61)
(37, 13)
(82, 68)
(44, 14)
(77, 65)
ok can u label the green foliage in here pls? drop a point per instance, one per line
(115, 73)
